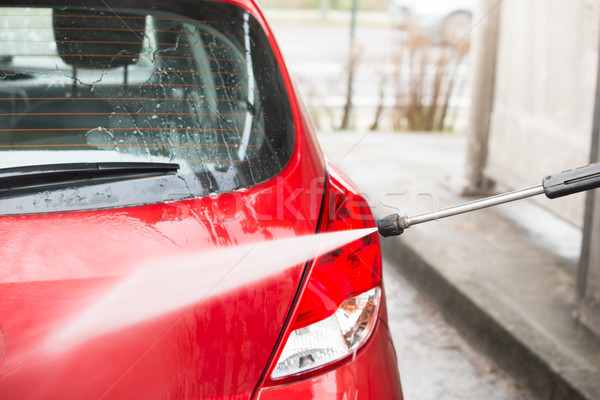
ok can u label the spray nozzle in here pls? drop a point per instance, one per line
(390, 226)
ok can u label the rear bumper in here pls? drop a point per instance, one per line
(373, 374)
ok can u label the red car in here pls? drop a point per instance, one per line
(160, 188)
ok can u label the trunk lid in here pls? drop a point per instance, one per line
(56, 266)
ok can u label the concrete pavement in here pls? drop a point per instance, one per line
(505, 277)
(434, 360)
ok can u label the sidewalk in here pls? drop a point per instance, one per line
(505, 277)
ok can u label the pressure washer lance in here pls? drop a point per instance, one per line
(553, 186)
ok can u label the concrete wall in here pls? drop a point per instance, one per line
(544, 95)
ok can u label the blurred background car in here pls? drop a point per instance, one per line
(444, 22)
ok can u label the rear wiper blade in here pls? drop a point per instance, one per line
(20, 177)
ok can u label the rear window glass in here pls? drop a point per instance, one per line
(199, 87)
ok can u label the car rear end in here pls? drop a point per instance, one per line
(202, 89)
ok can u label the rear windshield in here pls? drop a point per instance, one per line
(197, 86)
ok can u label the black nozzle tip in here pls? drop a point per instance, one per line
(390, 226)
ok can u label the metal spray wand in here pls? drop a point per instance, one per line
(553, 186)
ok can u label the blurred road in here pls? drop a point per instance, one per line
(317, 56)
(435, 362)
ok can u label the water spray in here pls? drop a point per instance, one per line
(553, 186)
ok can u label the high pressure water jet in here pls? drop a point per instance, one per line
(553, 186)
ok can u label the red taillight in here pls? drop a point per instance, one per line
(339, 306)
(347, 271)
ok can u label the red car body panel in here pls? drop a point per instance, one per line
(51, 259)
(54, 265)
